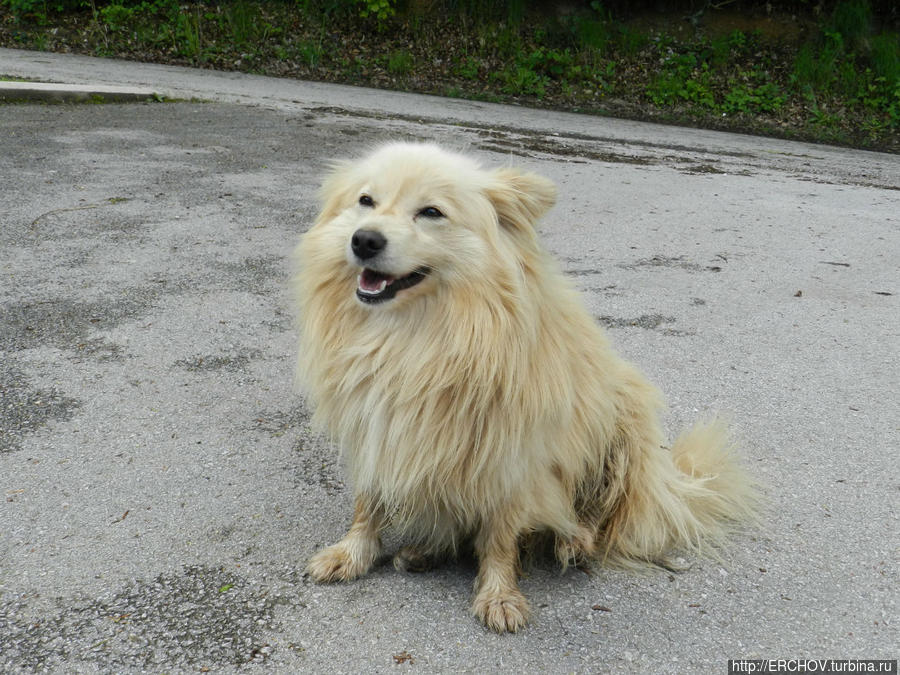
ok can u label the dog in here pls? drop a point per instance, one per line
(474, 398)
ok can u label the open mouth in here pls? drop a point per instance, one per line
(373, 287)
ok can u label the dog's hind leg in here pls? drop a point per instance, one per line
(411, 559)
(578, 549)
(353, 555)
(498, 601)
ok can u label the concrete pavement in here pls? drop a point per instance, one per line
(161, 488)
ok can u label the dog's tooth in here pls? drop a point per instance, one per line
(370, 291)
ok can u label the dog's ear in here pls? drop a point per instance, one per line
(339, 186)
(519, 198)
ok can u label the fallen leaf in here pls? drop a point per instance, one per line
(404, 657)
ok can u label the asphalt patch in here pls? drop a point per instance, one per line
(25, 409)
(529, 146)
(320, 466)
(279, 422)
(200, 617)
(319, 462)
(255, 275)
(66, 323)
(677, 262)
(216, 362)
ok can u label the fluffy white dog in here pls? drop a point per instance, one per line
(474, 397)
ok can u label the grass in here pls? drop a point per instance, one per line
(837, 82)
(400, 62)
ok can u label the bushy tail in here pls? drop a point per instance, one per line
(691, 498)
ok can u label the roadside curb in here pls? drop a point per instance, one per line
(52, 92)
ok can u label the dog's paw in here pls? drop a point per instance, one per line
(502, 613)
(336, 563)
(410, 560)
(577, 549)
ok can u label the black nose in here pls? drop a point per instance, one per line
(367, 243)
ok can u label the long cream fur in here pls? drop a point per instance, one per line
(484, 404)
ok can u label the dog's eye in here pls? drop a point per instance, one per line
(366, 200)
(431, 212)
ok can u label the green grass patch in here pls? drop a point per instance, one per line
(841, 81)
(846, 65)
(400, 62)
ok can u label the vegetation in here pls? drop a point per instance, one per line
(831, 77)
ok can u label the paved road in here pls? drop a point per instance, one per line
(160, 489)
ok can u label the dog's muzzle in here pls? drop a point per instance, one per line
(373, 285)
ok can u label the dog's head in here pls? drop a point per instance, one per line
(412, 219)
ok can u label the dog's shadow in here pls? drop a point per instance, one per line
(537, 560)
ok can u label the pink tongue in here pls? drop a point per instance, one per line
(373, 281)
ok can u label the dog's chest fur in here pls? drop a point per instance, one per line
(433, 410)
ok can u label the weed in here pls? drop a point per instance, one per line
(188, 35)
(508, 42)
(822, 117)
(310, 52)
(894, 107)
(515, 11)
(592, 33)
(598, 79)
(552, 63)
(630, 41)
(885, 56)
(767, 97)
(684, 78)
(737, 40)
(468, 68)
(24, 10)
(519, 80)
(722, 49)
(242, 19)
(400, 62)
(380, 10)
(117, 17)
(815, 69)
(852, 20)
(698, 91)
(510, 12)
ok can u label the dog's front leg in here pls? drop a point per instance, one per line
(353, 555)
(498, 601)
